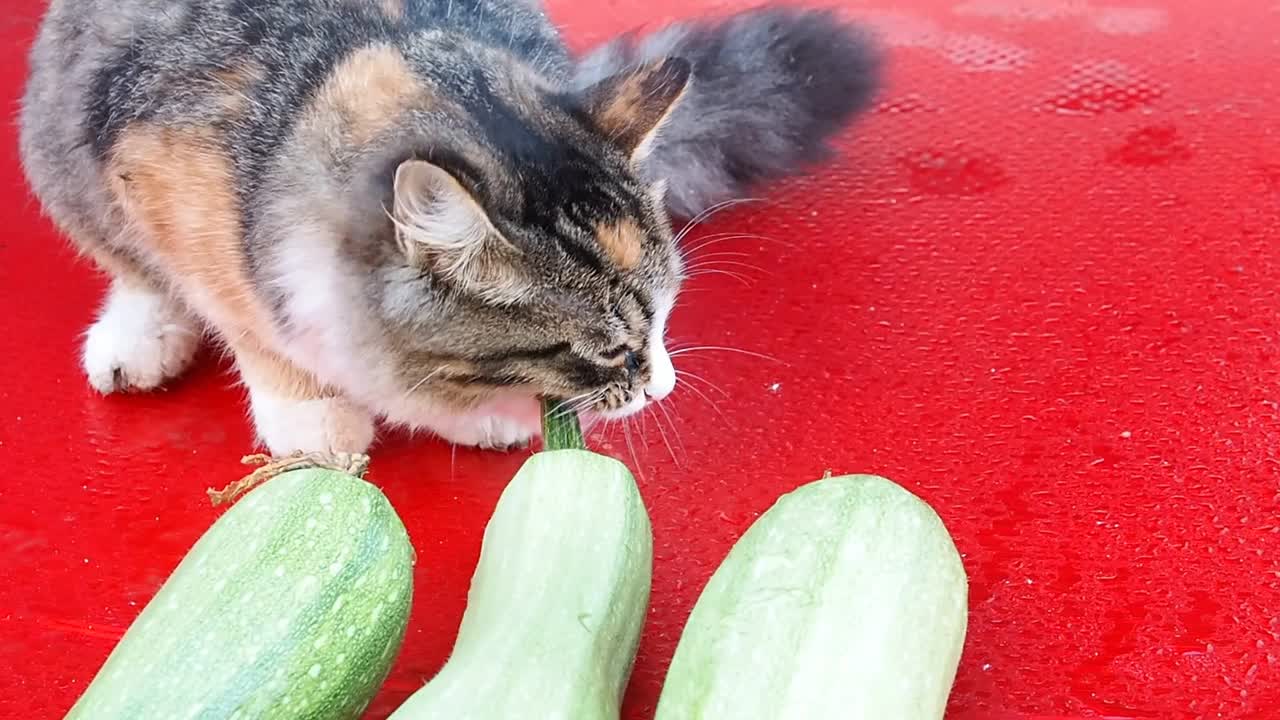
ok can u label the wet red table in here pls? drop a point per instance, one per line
(1039, 288)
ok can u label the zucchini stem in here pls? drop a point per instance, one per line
(354, 464)
(560, 427)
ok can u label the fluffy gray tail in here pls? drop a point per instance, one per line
(770, 87)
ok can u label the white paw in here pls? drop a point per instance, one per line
(491, 432)
(286, 425)
(140, 340)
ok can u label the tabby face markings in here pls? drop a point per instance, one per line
(558, 261)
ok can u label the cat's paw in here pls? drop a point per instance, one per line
(287, 425)
(489, 432)
(140, 340)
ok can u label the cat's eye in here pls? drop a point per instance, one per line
(632, 362)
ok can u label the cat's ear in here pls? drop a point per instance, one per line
(631, 106)
(442, 228)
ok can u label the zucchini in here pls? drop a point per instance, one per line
(558, 597)
(293, 604)
(846, 600)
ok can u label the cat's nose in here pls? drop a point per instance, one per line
(662, 374)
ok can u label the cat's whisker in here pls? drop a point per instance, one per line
(722, 348)
(569, 401)
(696, 219)
(722, 253)
(661, 432)
(713, 258)
(725, 263)
(699, 393)
(580, 401)
(424, 380)
(642, 428)
(705, 241)
(708, 213)
(699, 378)
(727, 273)
(583, 404)
(715, 407)
(590, 424)
(626, 433)
(577, 411)
(668, 405)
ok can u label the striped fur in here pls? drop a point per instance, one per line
(423, 211)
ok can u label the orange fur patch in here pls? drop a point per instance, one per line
(630, 108)
(365, 95)
(622, 242)
(266, 368)
(176, 185)
(618, 115)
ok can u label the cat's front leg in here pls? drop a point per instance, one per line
(293, 412)
(141, 339)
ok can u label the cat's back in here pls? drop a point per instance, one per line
(148, 45)
(112, 61)
(246, 68)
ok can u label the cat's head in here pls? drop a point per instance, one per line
(532, 257)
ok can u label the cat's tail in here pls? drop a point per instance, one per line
(770, 87)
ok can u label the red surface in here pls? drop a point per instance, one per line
(1040, 290)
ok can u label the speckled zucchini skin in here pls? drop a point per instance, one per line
(846, 600)
(557, 601)
(292, 605)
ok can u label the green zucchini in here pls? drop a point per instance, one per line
(846, 600)
(558, 598)
(292, 605)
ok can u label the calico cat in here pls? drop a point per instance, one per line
(425, 212)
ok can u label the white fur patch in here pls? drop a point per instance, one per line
(140, 340)
(508, 421)
(662, 373)
(286, 425)
(485, 431)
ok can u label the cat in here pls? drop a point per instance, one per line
(424, 213)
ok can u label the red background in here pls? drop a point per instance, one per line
(1039, 289)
